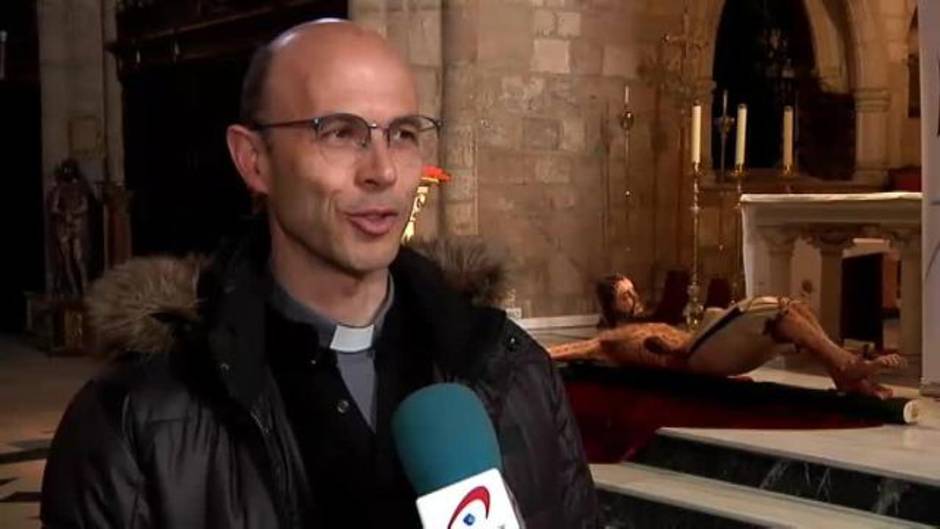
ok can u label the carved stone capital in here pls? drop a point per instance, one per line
(830, 239)
(906, 240)
(779, 240)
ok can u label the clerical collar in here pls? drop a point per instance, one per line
(336, 336)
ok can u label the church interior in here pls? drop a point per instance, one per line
(711, 151)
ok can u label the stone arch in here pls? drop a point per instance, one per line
(868, 61)
(850, 54)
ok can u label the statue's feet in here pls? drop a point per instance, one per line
(866, 386)
(856, 377)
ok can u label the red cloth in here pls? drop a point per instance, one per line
(619, 410)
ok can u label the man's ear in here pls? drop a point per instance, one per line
(249, 153)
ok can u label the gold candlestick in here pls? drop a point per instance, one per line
(737, 284)
(421, 198)
(626, 120)
(694, 308)
(724, 124)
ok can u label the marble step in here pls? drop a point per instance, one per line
(635, 495)
(786, 462)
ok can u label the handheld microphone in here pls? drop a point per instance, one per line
(448, 449)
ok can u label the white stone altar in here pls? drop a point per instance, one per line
(772, 223)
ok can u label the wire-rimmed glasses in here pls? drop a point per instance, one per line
(346, 138)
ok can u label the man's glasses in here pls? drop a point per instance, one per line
(346, 138)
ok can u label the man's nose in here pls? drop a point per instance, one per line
(378, 169)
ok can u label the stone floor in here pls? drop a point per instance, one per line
(35, 388)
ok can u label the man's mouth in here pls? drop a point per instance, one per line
(374, 222)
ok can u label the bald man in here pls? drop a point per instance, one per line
(258, 391)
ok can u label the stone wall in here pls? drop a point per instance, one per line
(531, 92)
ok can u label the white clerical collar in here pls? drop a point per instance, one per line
(352, 339)
(336, 336)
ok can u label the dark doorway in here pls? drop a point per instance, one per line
(186, 193)
(764, 59)
(181, 66)
(21, 202)
(862, 305)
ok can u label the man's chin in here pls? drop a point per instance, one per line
(365, 259)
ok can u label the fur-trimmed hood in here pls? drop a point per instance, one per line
(140, 305)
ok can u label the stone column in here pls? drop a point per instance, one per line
(71, 78)
(871, 137)
(831, 242)
(908, 243)
(929, 17)
(779, 243)
(370, 13)
(113, 100)
(458, 147)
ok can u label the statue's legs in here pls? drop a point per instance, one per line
(581, 350)
(69, 285)
(797, 324)
(78, 257)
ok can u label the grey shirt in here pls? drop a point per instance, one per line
(354, 346)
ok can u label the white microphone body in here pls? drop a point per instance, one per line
(481, 501)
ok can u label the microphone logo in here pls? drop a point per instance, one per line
(479, 494)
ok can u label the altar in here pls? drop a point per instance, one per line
(772, 223)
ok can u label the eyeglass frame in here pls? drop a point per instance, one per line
(314, 123)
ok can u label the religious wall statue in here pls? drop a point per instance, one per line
(729, 342)
(68, 203)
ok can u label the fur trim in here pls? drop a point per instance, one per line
(141, 305)
(469, 266)
(137, 306)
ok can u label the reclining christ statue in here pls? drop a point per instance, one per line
(729, 342)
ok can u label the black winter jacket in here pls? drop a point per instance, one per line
(187, 428)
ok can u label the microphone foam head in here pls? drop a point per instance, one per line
(443, 435)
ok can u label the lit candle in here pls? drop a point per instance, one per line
(724, 103)
(787, 137)
(741, 136)
(626, 95)
(696, 133)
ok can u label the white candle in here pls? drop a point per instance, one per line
(626, 95)
(788, 136)
(741, 137)
(697, 133)
(724, 103)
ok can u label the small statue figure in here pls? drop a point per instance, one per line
(68, 209)
(729, 342)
